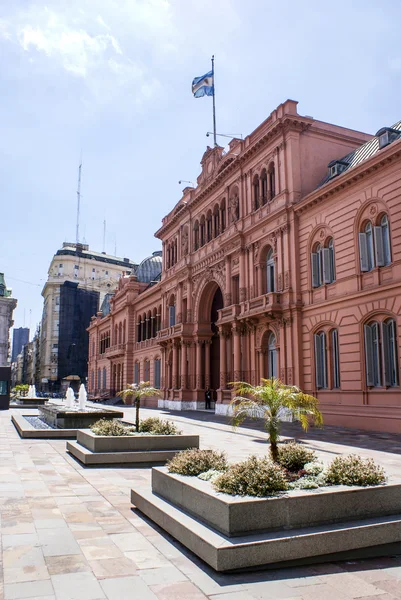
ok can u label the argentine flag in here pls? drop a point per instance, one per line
(203, 86)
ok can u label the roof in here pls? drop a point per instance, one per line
(357, 156)
(83, 251)
(150, 268)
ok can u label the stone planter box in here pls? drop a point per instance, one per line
(30, 402)
(26, 430)
(92, 449)
(60, 417)
(304, 526)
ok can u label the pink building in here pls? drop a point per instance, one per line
(284, 260)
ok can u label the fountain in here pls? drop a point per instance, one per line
(31, 398)
(75, 415)
(32, 393)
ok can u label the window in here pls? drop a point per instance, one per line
(381, 368)
(55, 346)
(98, 379)
(93, 380)
(157, 373)
(76, 270)
(374, 245)
(136, 373)
(196, 235)
(60, 270)
(93, 273)
(321, 360)
(272, 356)
(335, 355)
(171, 310)
(104, 378)
(323, 264)
(256, 193)
(107, 272)
(147, 370)
(270, 272)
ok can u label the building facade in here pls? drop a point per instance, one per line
(20, 338)
(283, 261)
(94, 272)
(7, 306)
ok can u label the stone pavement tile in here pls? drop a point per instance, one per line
(233, 596)
(270, 590)
(125, 588)
(33, 589)
(50, 524)
(391, 586)
(27, 573)
(68, 500)
(120, 527)
(207, 580)
(10, 527)
(179, 591)
(302, 581)
(322, 591)
(58, 542)
(384, 596)
(98, 548)
(23, 556)
(77, 586)
(113, 567)
(131, 541)
(162, 575)
(46, 513)
(78, 516)
(60, 565)
(20, 539)
(351, 586)
(144, 559)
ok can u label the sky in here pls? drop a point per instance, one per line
(110, 80)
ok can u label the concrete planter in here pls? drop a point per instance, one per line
(26, 430)
(92, 449)
(231, 532)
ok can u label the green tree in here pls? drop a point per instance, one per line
(271, 400)
(21, 389)
(137, 391)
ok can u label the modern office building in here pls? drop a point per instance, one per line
(20, 338)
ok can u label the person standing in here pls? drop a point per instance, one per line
(208, 398)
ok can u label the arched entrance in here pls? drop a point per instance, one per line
(268, 363)
(217, 304)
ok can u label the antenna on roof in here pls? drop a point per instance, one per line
(104, 236)
(78, 200)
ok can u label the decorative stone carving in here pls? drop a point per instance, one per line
(242, 294)
(256, 251)
(228, 299)
(280, 283)
(322, 234)
(286, 280)
(373, 210)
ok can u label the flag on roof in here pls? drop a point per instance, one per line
(203, 86)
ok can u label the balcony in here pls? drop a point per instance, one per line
(116, 350)
(146, 343)
(267, 303)
(178, 330)
(229, 313)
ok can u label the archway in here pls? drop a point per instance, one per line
(268, 365)
(217, 304)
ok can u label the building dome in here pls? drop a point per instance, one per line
(150, 268)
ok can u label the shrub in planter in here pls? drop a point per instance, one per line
(252, 477)
(193, 461)
(313, 468)
(210, 475)
(111, 428)
(354, 470)
(294, 456)
(158, 427)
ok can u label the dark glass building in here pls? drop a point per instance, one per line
(20, 338)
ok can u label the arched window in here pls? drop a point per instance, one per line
(216, 221)
(272, 356)
(104, 378)
(202, 231)
(196, 235)
(223, 214)
(98, 379)
(171, 312)
(138, 329)
(93, 380)
(136, 372)
(320, 360)
(209, 226)
(374, 245)
(372, 354)
(157, 373)
(120, 333)
(385, 235)
(272, 181)
(329, 264)
(256, 202)
(270, 272)
(317, 267)
(115, 335)
(390, 351)
(124, 331)
(146, 370)
(335, 358)
(263, 179)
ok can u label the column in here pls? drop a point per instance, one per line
(207, 363)
(179, 304)
(184, 365)
(223, 360)
(260, 279)
(242, 277)
(192, 366)
(175, 366)
(228, 298)
(261, 365)
(189, 301)
(198, 374)
(237, 353)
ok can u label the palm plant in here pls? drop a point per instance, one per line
(271, 400)
(137, 391)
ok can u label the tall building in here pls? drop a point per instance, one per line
(20, 338)
(89, 271)
(285, 261)
(7, 306)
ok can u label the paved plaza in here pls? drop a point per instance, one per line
(70, 533)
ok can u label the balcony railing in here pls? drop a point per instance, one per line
(116, 350)
(229, 313)
(267, 302)
(175, 331)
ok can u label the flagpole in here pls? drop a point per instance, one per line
(214, 105)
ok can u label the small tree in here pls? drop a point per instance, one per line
(137, 391)
(21, 389)
(271, 400)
